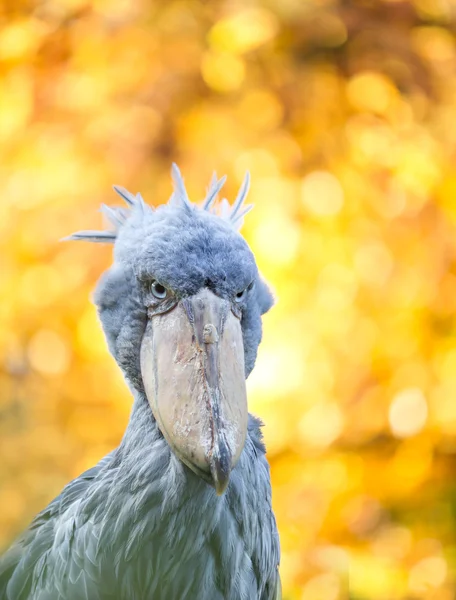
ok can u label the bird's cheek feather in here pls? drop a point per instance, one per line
(192, 365)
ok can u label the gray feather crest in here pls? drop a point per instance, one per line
(117, 216)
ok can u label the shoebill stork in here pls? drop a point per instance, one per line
(181, 510)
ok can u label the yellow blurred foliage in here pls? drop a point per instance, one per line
(345, 115)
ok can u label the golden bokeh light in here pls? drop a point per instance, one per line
(48, 353)
(244, 31)
(322, 194)
(408, 413)
(344, 114)
(222, 71)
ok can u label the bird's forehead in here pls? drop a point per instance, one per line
(184, 249)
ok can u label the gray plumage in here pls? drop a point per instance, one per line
(141, 524)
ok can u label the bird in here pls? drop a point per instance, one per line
(181, 509)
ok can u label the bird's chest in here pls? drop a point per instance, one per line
(196, 548)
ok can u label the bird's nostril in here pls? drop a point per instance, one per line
(210, 334)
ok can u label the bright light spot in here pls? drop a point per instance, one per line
(222, 72)
(284, 359)
(322, 587)
(322, 194)
(244, 31)
(286, 240)
(48, 353)
(374, 263)
(370, 91)
(18, 39)
(276, 237)
(433, 43)
(428, 573)
(82, 91)
(408, 413)
(418, 172)
(322, 424)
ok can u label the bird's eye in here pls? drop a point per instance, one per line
(241, 295)
(158, 290)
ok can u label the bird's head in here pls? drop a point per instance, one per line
(181, 309)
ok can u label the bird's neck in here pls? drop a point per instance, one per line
(147, 467)
(142, 427)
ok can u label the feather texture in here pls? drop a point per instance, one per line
(115, 534)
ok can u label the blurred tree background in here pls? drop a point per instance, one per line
(345, 114)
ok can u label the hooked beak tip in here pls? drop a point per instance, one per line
(220, 486)
(220, 466)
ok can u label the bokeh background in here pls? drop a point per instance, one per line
(345, 114)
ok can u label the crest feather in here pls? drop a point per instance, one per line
(118, 216)
(101, 237)
(125, 194)
(238, 220)
(214, 188)
(180, 196)
(242, 194)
